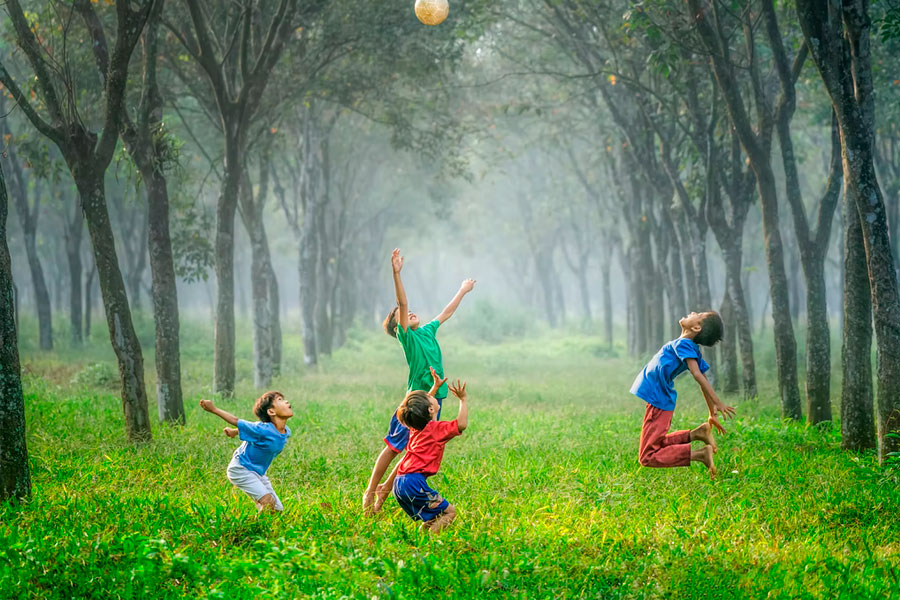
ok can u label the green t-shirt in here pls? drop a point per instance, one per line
(422, 351)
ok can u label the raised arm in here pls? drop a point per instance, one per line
(459, 390)
(438, 382)
(709, 395)
(402, 305)
(229, 418)
(448, 311)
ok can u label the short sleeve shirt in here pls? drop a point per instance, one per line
(655, 384)
(262, 443)
(422, 352)
(426, 447)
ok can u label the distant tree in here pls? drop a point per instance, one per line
(28, 212)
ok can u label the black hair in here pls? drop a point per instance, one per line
(390, 322)
(264, 403)
(413, 411)
(711, 329)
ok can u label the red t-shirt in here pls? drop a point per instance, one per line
(426, 447)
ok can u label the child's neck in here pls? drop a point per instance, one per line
(279, 423)
(688, 334)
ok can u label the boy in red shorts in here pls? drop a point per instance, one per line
(655, 386)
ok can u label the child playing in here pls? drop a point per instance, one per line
(422, 353)
(263, 441)
(419, 411)
(654, 385)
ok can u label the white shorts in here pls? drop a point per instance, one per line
(255, 485)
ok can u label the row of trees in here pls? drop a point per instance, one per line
(630, 139)
(700, 96)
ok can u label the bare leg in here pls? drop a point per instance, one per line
(704, 434)
(705, 455)
(441, 521)
(382, 463)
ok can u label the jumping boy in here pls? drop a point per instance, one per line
(422, 353)
(263, 441)
(654, 385)
(419, 411)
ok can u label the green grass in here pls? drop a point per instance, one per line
(552, 502)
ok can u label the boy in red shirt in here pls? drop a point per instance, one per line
(419, 412)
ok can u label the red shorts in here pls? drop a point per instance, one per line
(659, 448)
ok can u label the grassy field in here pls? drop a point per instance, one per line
(552, 502)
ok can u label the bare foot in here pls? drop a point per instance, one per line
(704, 433)
(705, 455)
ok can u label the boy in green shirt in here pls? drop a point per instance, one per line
(422, 353)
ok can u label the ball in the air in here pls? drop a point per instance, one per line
(432, 12)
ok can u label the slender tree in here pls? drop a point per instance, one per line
(15, 479)
(28, 217)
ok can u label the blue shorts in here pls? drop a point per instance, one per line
(418, 500)
(398, 434)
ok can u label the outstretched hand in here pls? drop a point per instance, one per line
(467, 285)
(459, 390)
(714, 422)
(396, 260)
(438, 382)
(207, 405)
(727, 411)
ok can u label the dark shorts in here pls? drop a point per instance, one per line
(398, 434)
(416, 498)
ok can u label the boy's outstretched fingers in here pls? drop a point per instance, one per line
(714, 422)
(459, 390)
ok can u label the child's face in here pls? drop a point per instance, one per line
(692, 322)
(413, 320)
(281, 408)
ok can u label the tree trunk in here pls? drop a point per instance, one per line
(28, 220)
(15, 478)
(728, 347)
(308, 293)
(74, 230)
(741, 315)
(223, 369)
(260, 273)
(169, 399)
(324, 307)
(88, 301)
(857, 405)
(785, 344)
(607, 300)
(115, 302)
(275, 323)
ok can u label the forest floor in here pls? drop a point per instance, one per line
(552, 501)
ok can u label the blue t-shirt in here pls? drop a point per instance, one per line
(262, 443)
(655, 384)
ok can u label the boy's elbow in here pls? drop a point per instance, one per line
(462, 426)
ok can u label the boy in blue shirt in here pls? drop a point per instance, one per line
(263, 440)
(422, 352)
(655, 386)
